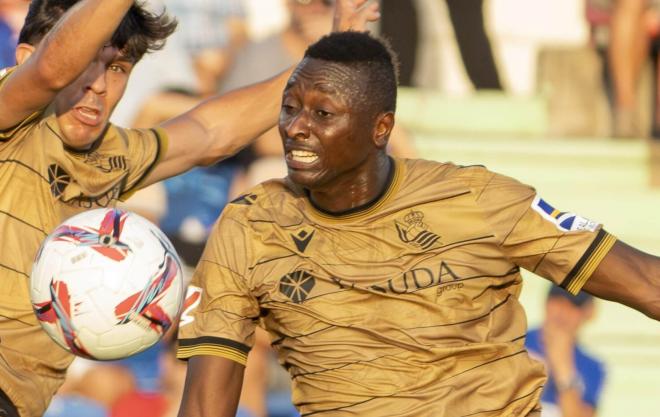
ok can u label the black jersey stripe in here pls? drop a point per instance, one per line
(161, 148)
(320, 371)
(330, 410)
(212, 340)
(213, 346)
(24, 165)
(14, 270)
(534, 391)
(583, 269)
(495, 307)
(25, 222)
(7, 134)
(279, 340)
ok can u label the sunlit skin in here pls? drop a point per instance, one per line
(333, 146)
(84, 107)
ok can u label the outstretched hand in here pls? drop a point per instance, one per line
(354, 15)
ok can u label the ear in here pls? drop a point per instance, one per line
(383, 128)
(23, 52)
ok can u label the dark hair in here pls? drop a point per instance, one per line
(138, 33)
(582, 298)
(368, 55)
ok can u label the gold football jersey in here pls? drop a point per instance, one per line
(405, 307)
(43, 183)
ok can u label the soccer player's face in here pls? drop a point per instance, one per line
(83, 108)
(327, 138)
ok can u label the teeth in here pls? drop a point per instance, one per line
(302, 153)
(303, 156)
(88, 112)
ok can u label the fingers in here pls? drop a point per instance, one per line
(355, 14)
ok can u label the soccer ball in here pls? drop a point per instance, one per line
(106, 284)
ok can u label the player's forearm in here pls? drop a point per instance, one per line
(76, 39)
(628, 276)
(236, 119)
(212, 389)
(571, 404)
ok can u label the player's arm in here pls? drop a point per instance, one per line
(213, 387)
(59, 58)
(628, 276)
(221, 126)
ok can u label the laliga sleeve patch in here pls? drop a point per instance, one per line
(564, 221)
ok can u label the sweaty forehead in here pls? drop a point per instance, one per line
(327, 77)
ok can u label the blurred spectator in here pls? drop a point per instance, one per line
(400, 25)
(12, 14)
(91, 389)
(627, 31)
(211, 32)
(628, 51)
(575, 378)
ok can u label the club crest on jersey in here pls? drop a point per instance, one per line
(414, 231)
(564, 221)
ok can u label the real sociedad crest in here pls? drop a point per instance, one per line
(414, 231)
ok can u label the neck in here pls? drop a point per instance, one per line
(357, 188)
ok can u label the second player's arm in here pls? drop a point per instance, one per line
(628, 276)
(219, 127)
(213, 387)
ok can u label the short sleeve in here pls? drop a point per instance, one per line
(146, 148)
(220, 313)
(559, 245)
(8, 134)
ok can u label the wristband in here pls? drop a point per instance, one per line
(573, 383)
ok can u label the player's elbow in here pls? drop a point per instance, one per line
(224, 143)
(49, 76)
(647, 299)
(651, 306)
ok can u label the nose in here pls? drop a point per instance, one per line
(95, 78)
(298, 126)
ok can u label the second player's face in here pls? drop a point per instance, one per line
(327, 140)
(84, 107)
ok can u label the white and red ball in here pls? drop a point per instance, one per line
(106, 284)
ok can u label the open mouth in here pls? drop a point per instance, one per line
(88, 115)
(305, 157)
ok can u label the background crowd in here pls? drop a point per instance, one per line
(591, 70)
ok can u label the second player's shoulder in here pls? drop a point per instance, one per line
(269, 201)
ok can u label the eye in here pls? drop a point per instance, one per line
(288, 108)
(323, 114)
(117, 68)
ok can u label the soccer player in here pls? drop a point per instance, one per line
(389, 286)
(59, 155)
